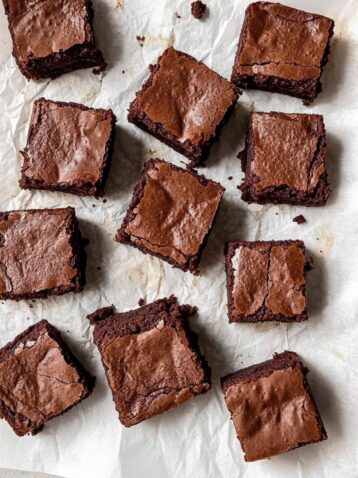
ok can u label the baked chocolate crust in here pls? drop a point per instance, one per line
(277, 64)
(272, 407)
(20, 423)
(166, 370)
(171, 251)
(65, 57)
(28, 287)
(35, 154)
(301, 163)
(197, 150)
(264, 287)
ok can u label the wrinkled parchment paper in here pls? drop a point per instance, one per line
(196, 439)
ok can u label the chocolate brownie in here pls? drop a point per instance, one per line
(284, 160)
(41, 253)
(198, 9)
(272, 407)
(266, 281)
(183, 104)
(171, 214)
(151, 358)
(300, 219)
(52, 37)
(69, 148)
(39, 379)
(282, 50)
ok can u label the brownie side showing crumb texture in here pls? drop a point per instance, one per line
(171, 214)
(40, 379)
(284, 160)
(272, 407)
(265, 281)
(41, 253)
(184, 104)
(198, 9)
(157, 346)
(282, 50)
(52, 37)
(69, 148)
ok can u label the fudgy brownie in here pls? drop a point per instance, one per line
(266, 281)
(52, 37)
(151, 358)
(69, 148)
(284, 160)
(41, 253)
(272, 407)
(282, 50)
(40, 379)
(184, 104)
(171, 214)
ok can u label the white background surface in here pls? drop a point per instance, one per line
(196, 439)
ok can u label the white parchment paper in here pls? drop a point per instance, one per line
(196, 439)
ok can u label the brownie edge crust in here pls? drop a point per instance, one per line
(156, 344)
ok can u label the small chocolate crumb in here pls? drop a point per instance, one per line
(299, 219)
(93, 205)
(104, 200)
(140, 39)
(31, 306)
(230, 178)
(123, 71)
(177, 15)
(141, 302)
(238, 187)
(198, 9)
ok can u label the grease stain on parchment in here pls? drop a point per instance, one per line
(165, 40)
(119, 5)
(326, 239)
(265, 326)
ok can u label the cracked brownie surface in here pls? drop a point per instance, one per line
(171, 214)
(151, 358)
(284, 160)
(272, 407)
(184, 104)
(39, 379)
(266, 281)
(282, 50)
(40, 253)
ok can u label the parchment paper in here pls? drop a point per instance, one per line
(196, 439)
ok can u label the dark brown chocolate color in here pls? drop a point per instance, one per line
(151, 358)
(284, 160)
(184, 104)
(299, 219)
(266, 281)
(52, 37)
(171, 214)
(198, 9)
(40, 379)
(272, 407)
(282, 50)
(41, 253)
(69, 148)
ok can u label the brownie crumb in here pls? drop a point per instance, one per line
(31, 306)
(104, 201)
(123, 71)
(299, 219)
(93, 205)
(141, 40)
(230, 178)
(141, 302)
(177, 15)
(198, 9)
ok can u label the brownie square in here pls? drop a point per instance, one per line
(266, 281)
(282, 50)
(69, 148)
(171, 214)
(41, 253)
(151, 358)
(284, 160)
(272, 407)
(40, 379)
(52, 37)
(184, 104)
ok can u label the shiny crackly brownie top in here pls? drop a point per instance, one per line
(186, 97)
